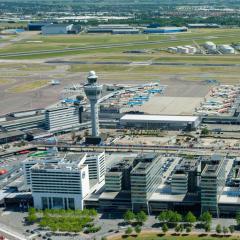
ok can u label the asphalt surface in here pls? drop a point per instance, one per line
(144, 63)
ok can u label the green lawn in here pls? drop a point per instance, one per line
(154, 236)
(70, 41)
(28, 86)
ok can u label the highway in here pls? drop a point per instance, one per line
(107, 46)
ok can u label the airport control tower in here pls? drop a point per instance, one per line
(93, 91)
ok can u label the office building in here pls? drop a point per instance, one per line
(49, 157)
(96, 166)
(212, 183)
(146, 176)
(63, 185)
(118, 177)
(179, 182)
(62, 118)
(186, 177)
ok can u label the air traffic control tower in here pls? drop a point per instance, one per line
(93, 91)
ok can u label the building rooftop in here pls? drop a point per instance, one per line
(9, 134)
(168, 118)
(145, 161)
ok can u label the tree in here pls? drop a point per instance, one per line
(190, 218)
(205, 131)
(141, 217)
(162, 217)
(181, 228)
(138, 229)
(218, 229)
(206, 217)
(231, 229)
(177, 228)
(225, 230)
(207, 227)
(175, 217)
(164, 228)
(188, 229)
(170, 216)
(32, 218)
(238, 218)
(128, 216)
(128, 231)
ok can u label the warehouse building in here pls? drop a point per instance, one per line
(113, 29)
(165, 30)
(37, 26)
(160, 121)
(203, 25)
(51, 29)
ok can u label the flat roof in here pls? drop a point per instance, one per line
(9, 134)
(159, 118)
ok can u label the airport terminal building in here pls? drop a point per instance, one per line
(160, 121)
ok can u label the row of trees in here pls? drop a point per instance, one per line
(140, 217)
(175, 217)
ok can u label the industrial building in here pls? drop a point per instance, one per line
(114, 29)
(203, 25)
(52, 29)
(63, 118)
(226, 49)
(158, 121)
(165, 30)
(37, 26)
(63, 185)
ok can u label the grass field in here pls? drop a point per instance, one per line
(72, 41)
(28, 86)
(154, 236)
(4, 81)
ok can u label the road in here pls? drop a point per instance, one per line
(10, 234)
(107, 46)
